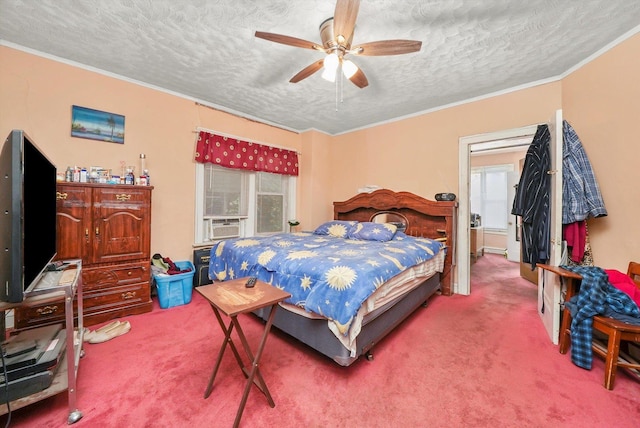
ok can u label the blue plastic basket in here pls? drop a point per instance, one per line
(175, 290)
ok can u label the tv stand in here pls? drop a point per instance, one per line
(52, 286)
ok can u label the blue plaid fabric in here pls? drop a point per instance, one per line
(581, 197)
(596, 297)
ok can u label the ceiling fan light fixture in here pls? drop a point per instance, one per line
(330, 63)
(329, 75)
(348, 68)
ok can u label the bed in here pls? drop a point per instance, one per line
(353, 279)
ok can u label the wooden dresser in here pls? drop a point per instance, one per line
(108, 227)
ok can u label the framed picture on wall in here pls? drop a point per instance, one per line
(97, 125)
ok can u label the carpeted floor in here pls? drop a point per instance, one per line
(464, 361)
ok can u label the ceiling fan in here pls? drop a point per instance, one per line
(337, 34)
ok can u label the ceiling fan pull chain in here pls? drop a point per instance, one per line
(337, 94)
(341, 85)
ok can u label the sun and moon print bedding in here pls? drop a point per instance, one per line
(330, 271)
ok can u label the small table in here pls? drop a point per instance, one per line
(51, 288)
(476, 246)
(232, 298)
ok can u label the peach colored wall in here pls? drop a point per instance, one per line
(495, 241)
(499, 159)
(315, 172)
(602, 102)
(37, 95)
(420, 154)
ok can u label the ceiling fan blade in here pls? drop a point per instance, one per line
(387, 47)
(359, 79)
(344, 20)
(288, 40)
(307, 71)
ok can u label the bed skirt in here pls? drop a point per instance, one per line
(316, 333)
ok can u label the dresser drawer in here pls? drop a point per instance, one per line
(101, 301)
(116, 296)
(41, 314)
(104, 277)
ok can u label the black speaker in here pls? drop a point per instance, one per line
(445, 197)
(201, 262)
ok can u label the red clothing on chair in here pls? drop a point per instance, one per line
(623, 283)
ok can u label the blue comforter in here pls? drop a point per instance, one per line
(327, 275)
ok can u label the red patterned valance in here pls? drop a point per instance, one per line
(238, 154)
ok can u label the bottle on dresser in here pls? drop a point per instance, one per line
(129, 177)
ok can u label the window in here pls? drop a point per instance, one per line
(231, 203)
(225, 193)
(271, 203)
(489, 196)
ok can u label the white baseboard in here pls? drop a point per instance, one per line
(495, 250)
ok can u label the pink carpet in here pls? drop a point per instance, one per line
(475, 361)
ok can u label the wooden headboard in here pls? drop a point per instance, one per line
(425, 218)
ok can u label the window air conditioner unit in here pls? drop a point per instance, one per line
(225, 228)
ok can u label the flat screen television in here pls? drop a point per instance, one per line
(27, 216)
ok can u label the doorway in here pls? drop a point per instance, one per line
(494, 176)
(500, 140)
(549, 286)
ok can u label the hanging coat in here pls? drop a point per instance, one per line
(532, 199)
(581, 197)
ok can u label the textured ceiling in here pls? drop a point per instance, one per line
(206, 50)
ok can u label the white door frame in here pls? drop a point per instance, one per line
(549, 285)
(500, 140)
(513, 244)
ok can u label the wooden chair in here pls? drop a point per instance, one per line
(618, 333)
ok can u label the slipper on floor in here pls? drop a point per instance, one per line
(109, 334)
(88, 334)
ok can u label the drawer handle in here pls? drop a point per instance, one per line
(128, 295)
(61, 196)
(123, 197)
(47, 310)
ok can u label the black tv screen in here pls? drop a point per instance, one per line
(27, 217)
